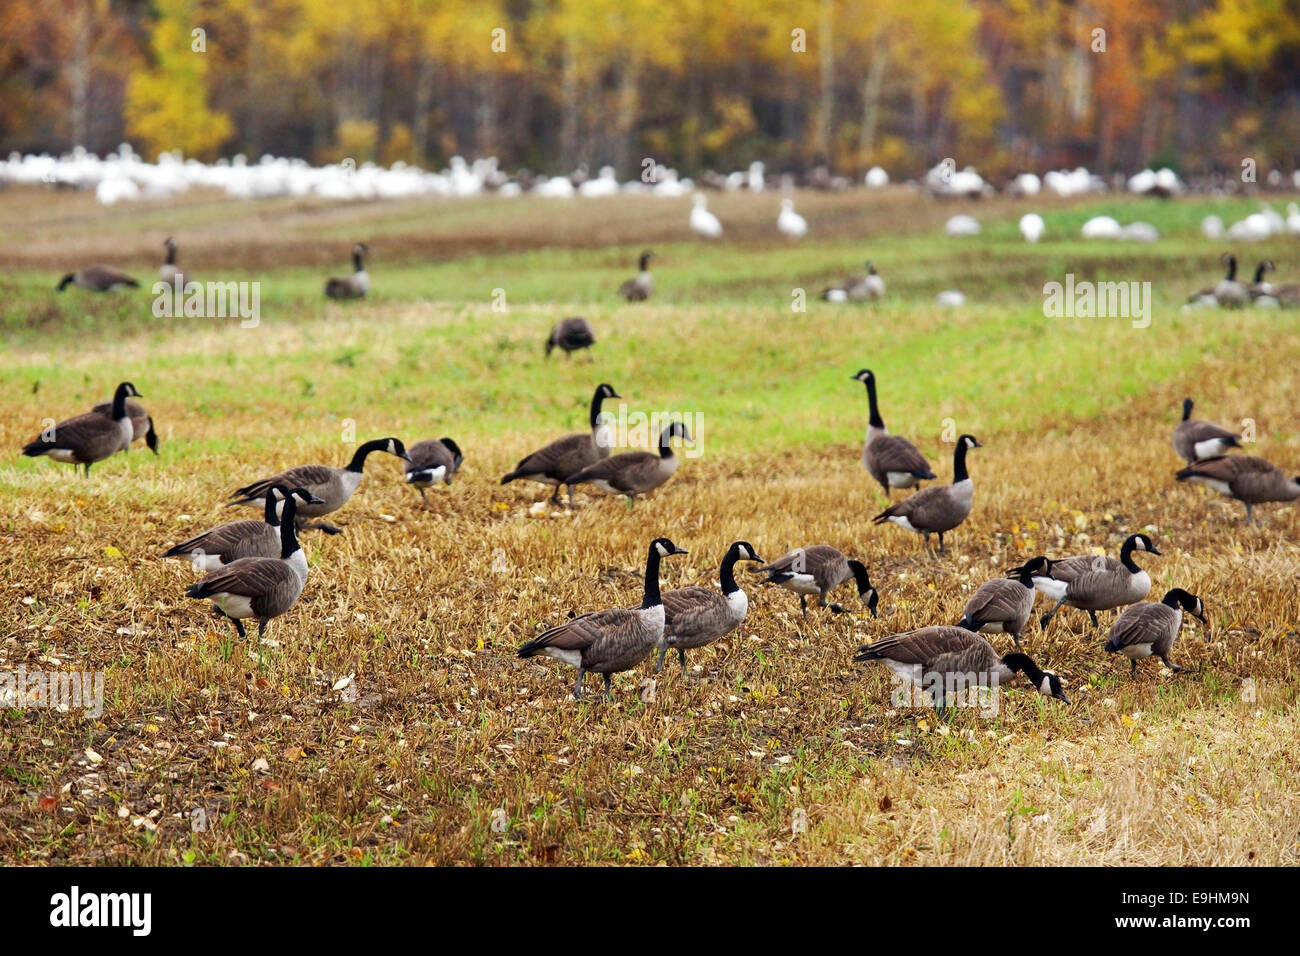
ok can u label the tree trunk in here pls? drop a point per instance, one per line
(826, 106)
(871, 90)
(423, 100)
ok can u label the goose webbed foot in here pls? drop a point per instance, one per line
(837, 608)
(803, 606)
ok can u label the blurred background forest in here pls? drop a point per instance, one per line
(550, 84)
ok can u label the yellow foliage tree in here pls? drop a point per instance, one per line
(166, 105)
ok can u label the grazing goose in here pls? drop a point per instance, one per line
(570, 335)
(88, 438)
(940, 509)
(612, 640)
(169, 271)
(695, 617)
(261, 588)
(817, 570)
(334, 486)
(703, 222)
(1229, 293)
(1093, 583)
(553, 463)
(1149, 628)
(429, 462)
(354, 286)
(1003, 606)
(790, 223)
(141, 422)
(97, 279)
(227, 543)
(1250, 480)
(942, 659)
(891, 460)
(1196, 440)
(642, 286)
(634, 472)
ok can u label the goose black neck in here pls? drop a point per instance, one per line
(1232, 268)
(859, 571)
(597, 402)
(66, 281)
(272, 511)
(1126, 556)
(666, 443)
(1187, 408)
(1259, 273)
(119, 403)
(356, 261)
(1024, 664)
(727, 573)
(1026, 577)
(171, 254)
(875, 420)
(645, 261)
(651, 598)
(358, 462)
(959, 472)
(288, 531)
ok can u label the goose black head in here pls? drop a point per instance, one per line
(675, 430)
(1050, 686)
(744, 551)
(1177, 597)
(664, 547)
(1141, 542)
(303, 495)
(128, 390)
(869, 596)
(871, 268)
(970, 441)
(66, 281)
(864, 376)
(1035, 567)
(169, 242)
(1188, 404)
(395, 447)
(605, 390)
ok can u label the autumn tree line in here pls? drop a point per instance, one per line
(1004, 85)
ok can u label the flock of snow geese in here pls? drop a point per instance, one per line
(256, 570)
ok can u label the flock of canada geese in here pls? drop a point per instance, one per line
(255, 570)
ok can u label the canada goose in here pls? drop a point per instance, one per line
(553, 463)
(790, 223)
(1250, 480)
(1258, 288)
(940, 509)
(429, 462)
(1196, 440)
(891, 460)
(141, 422)
(642, 286)
(97, 279)
(570, 335)
(334, 486)
(634, 473)
(169, 271)
(1003, 606)
(261, 588)
(703, 222)
(1149, 628)
(1228, 292)
(1093, 583)
(612, 640)
(815, 571)
(227, 543)
(354, 286)
(937, 659)
(857, 288)
(694, 617)
(88, 438)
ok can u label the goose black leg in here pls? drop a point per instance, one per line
(609, 690)
(555, 496)
(577, 688)
(663, 652)
(1095, 622)
(1047, 618)
(1133, 667)
(681, 656)
(1171, 665)
(803, 606)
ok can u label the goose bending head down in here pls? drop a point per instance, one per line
(635, 472)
